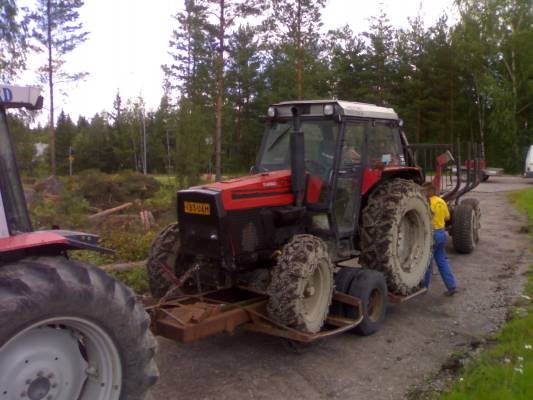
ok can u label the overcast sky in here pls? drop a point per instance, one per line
(128, 42)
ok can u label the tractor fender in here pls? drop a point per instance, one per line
(58, 240)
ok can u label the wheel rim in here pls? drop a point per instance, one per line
(409, 232)
(62, 358)
(312, 292)
(375, 305)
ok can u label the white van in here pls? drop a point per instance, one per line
(528, 169)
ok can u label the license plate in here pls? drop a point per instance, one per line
(192, 207)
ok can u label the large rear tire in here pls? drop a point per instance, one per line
(397, 234)
(301, 284)
(70, 331)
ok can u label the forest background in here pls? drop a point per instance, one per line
(467, 81)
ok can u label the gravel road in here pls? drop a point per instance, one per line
(417, 338)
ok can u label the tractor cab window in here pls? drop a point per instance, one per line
(320, 137)
(384, 146)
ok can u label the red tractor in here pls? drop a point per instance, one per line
(67, 329)
(334, 181)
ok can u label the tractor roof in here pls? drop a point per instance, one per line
(20, 96)
(347, 108)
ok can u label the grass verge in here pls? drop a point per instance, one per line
(505, 371)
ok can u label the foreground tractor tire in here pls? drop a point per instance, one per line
(397, 235)
(301, 284)
(371, 288)
(465, 226)
(69, 331)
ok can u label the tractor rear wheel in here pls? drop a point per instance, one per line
(301, 284)
(70, 331)
(465, 228)
(397, 234)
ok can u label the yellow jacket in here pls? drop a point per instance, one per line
(441, 214)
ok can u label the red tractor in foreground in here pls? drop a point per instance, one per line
(335, 182)
(67, 330)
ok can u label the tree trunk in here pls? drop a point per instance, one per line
(299, 51)
(220, 88)
(51, 88)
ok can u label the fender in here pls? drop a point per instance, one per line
(56, 239)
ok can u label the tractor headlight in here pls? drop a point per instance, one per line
(271, 112)
(329, 109)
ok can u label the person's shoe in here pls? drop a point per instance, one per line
(450, 292)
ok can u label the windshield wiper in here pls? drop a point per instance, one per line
(275, 142)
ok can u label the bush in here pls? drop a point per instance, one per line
(105, 191)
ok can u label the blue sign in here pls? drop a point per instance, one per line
(6, 95)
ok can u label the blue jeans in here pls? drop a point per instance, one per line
(439, 254)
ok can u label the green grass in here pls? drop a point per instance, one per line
(505, 371)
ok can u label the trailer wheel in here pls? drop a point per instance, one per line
(70, 331)
(474, 203)
(371, 288)
(465, 228)
(343, 280)
(397, 234)
(301, 284)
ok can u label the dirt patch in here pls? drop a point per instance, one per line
(417, 339)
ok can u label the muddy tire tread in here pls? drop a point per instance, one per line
(296, 263)
(377, 231)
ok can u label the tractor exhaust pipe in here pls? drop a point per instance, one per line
(297, 159)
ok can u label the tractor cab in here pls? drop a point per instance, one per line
(13, 212)
(346, 148)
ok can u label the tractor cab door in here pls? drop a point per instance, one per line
(349, 178)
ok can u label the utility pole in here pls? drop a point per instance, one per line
(70, 160)
(145, 163)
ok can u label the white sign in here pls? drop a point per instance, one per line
(19, 96)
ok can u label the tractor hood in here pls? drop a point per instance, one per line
(264, 189)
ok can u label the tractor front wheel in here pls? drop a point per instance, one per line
(301, 284)
(70, 331)
(165, 259)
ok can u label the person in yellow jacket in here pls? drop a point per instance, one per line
(441, 214)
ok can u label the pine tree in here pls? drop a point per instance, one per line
(57, 31)
(13, 40)
(293, 30)
(226, 13)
